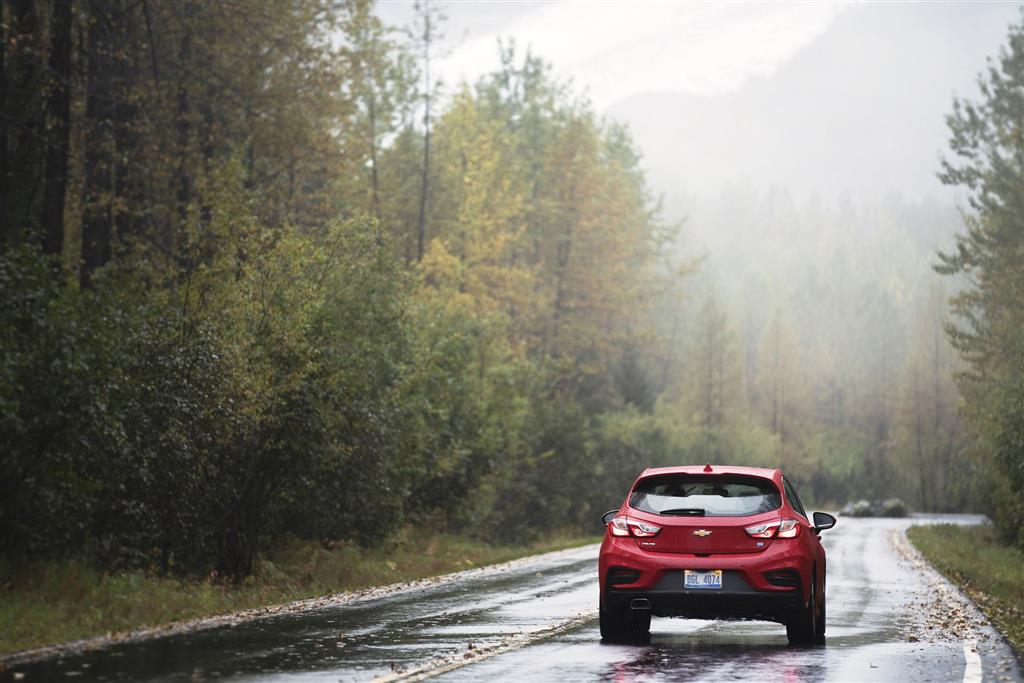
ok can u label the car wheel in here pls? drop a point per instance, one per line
(819, 623)
(613, 624)
(638, 625)
(800, 626)
(624, 625)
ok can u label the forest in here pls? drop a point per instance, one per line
(261, 277)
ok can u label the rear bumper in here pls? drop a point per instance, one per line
(746, 592)
(735, 600)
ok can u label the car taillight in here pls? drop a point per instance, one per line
(642, 529)
(763, 530)
(777, 528)
(618, 527)
(627, 526)
(789, 528)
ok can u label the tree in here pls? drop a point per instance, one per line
(780, 383)
(428, 34)
(380, 71)
(23, 136)
(481, 210)
(929, 434)
(250, 351)
(987, 160)
(4, 164)
(58, 126)
(108, 80)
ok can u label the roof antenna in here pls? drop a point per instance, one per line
(707, 468)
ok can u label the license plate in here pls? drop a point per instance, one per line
(702, 579)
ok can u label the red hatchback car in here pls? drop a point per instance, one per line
(713, 543)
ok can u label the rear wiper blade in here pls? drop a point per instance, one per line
(684, 512)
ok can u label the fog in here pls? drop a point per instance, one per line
(819, 99)
(272, 269)
(797, 146)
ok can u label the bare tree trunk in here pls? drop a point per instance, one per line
(421, 223)
(185, 156)
(4, 192)
(21, 114)
(58, 112)
(709, 362)
(129, 192)
(776, 428)
(374, 177)
(97, 214)
(720, 381)
(670, 356)
(563, 254)
(917, 408)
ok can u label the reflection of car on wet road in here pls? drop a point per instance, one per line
(713, 543)
(534, 620)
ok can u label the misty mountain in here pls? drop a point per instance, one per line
(860, 110)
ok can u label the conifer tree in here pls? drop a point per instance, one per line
(988, 161)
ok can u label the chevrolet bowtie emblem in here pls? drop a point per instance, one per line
(702, 533)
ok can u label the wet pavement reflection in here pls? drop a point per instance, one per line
(875, 599)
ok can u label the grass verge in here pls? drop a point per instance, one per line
(989, 571)
(56, 602)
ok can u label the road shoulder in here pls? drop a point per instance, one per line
(235, 618)
(948, 614)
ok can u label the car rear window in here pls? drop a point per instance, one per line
(708, 495)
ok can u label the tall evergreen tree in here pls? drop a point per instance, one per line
(988, 161)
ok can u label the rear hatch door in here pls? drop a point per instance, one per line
(704, 536)
(704, 514)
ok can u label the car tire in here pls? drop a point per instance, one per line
(613, 624)
(819, 622)
(638, 625)
(801, 625)
(624, 625)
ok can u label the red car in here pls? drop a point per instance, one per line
(713, 543)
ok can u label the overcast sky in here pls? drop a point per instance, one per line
(820, 98)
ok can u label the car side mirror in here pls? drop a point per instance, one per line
(822, 521)
(608, 516)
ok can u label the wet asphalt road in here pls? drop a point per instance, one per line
(890, 617)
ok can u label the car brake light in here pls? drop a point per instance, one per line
(643, 530)
(789, 528)
(626, 526)
(777, 528)
(618, 527)
(762, 530)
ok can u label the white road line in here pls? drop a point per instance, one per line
(972, 662)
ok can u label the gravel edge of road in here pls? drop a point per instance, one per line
(987, 640)
(255, 614)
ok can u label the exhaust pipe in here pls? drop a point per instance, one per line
(640, 603)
